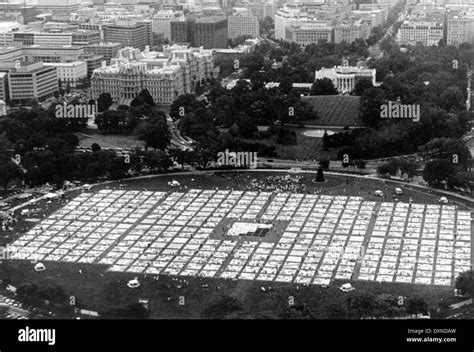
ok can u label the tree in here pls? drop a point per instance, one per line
(247, 128)
(383, 170)
(183, 157)
(320, 175)
(417, 305)
(104, 102)
(369, 109)
(266, 25)
(154, 133)
(286, 137)
(221, 307)
(361, 85)
(131, 311)
(83, 83)
(360, 164)
(300, 311)
(324, 163)
(451, 99)
(361, 305)
(184, 104)
(143, 98)
(408, 167)
(323, 86)
(438, 171)
(9, 171)
(465, 283)
(95, 147)
(118, 168)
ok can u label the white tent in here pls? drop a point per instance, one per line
(347, 288)
(40, 267)
(133, 283)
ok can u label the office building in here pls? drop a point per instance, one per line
(4, 94)
(69, 73)
(426, 32)
(106, 50)
(306, 33)
(161, 22)
(210, 32)
(134, 35)
(460, 28)
(32, 81)
(17, 11)
(242, 24)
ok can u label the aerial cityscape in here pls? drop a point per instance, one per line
(236, 159)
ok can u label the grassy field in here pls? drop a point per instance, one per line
(307, 148)
(97, 289)
(335, 185)
(109, 141)
(334, 110)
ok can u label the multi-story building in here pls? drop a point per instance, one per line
(309, 32)
(182, 30)
(206, 31)
(134, 35)
(286, 16)
(374, 17)
(85, 37)
(345, 78)
(69, 73)
(124, 81)
(59, 53)
(4, 94)
(17, 11)
(92, 61)
(269, 9)
(77, 37)
(426, 32)
(350, 32)
(255, 8)
(239, 25)
(210, 32)
(148, 26)
(32, 81)
(58, 7)
(6, 32)
(460, 28)
(162, 21)
(166, 75)
(105, 49)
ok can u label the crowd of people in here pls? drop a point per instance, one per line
(280, 184)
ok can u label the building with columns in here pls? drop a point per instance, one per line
(345, 77)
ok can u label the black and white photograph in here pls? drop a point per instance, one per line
(231, 160)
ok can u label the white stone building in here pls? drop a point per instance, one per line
(345, 78)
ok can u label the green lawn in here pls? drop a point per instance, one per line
(99, 290)
(334, 110)
(108, 141)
